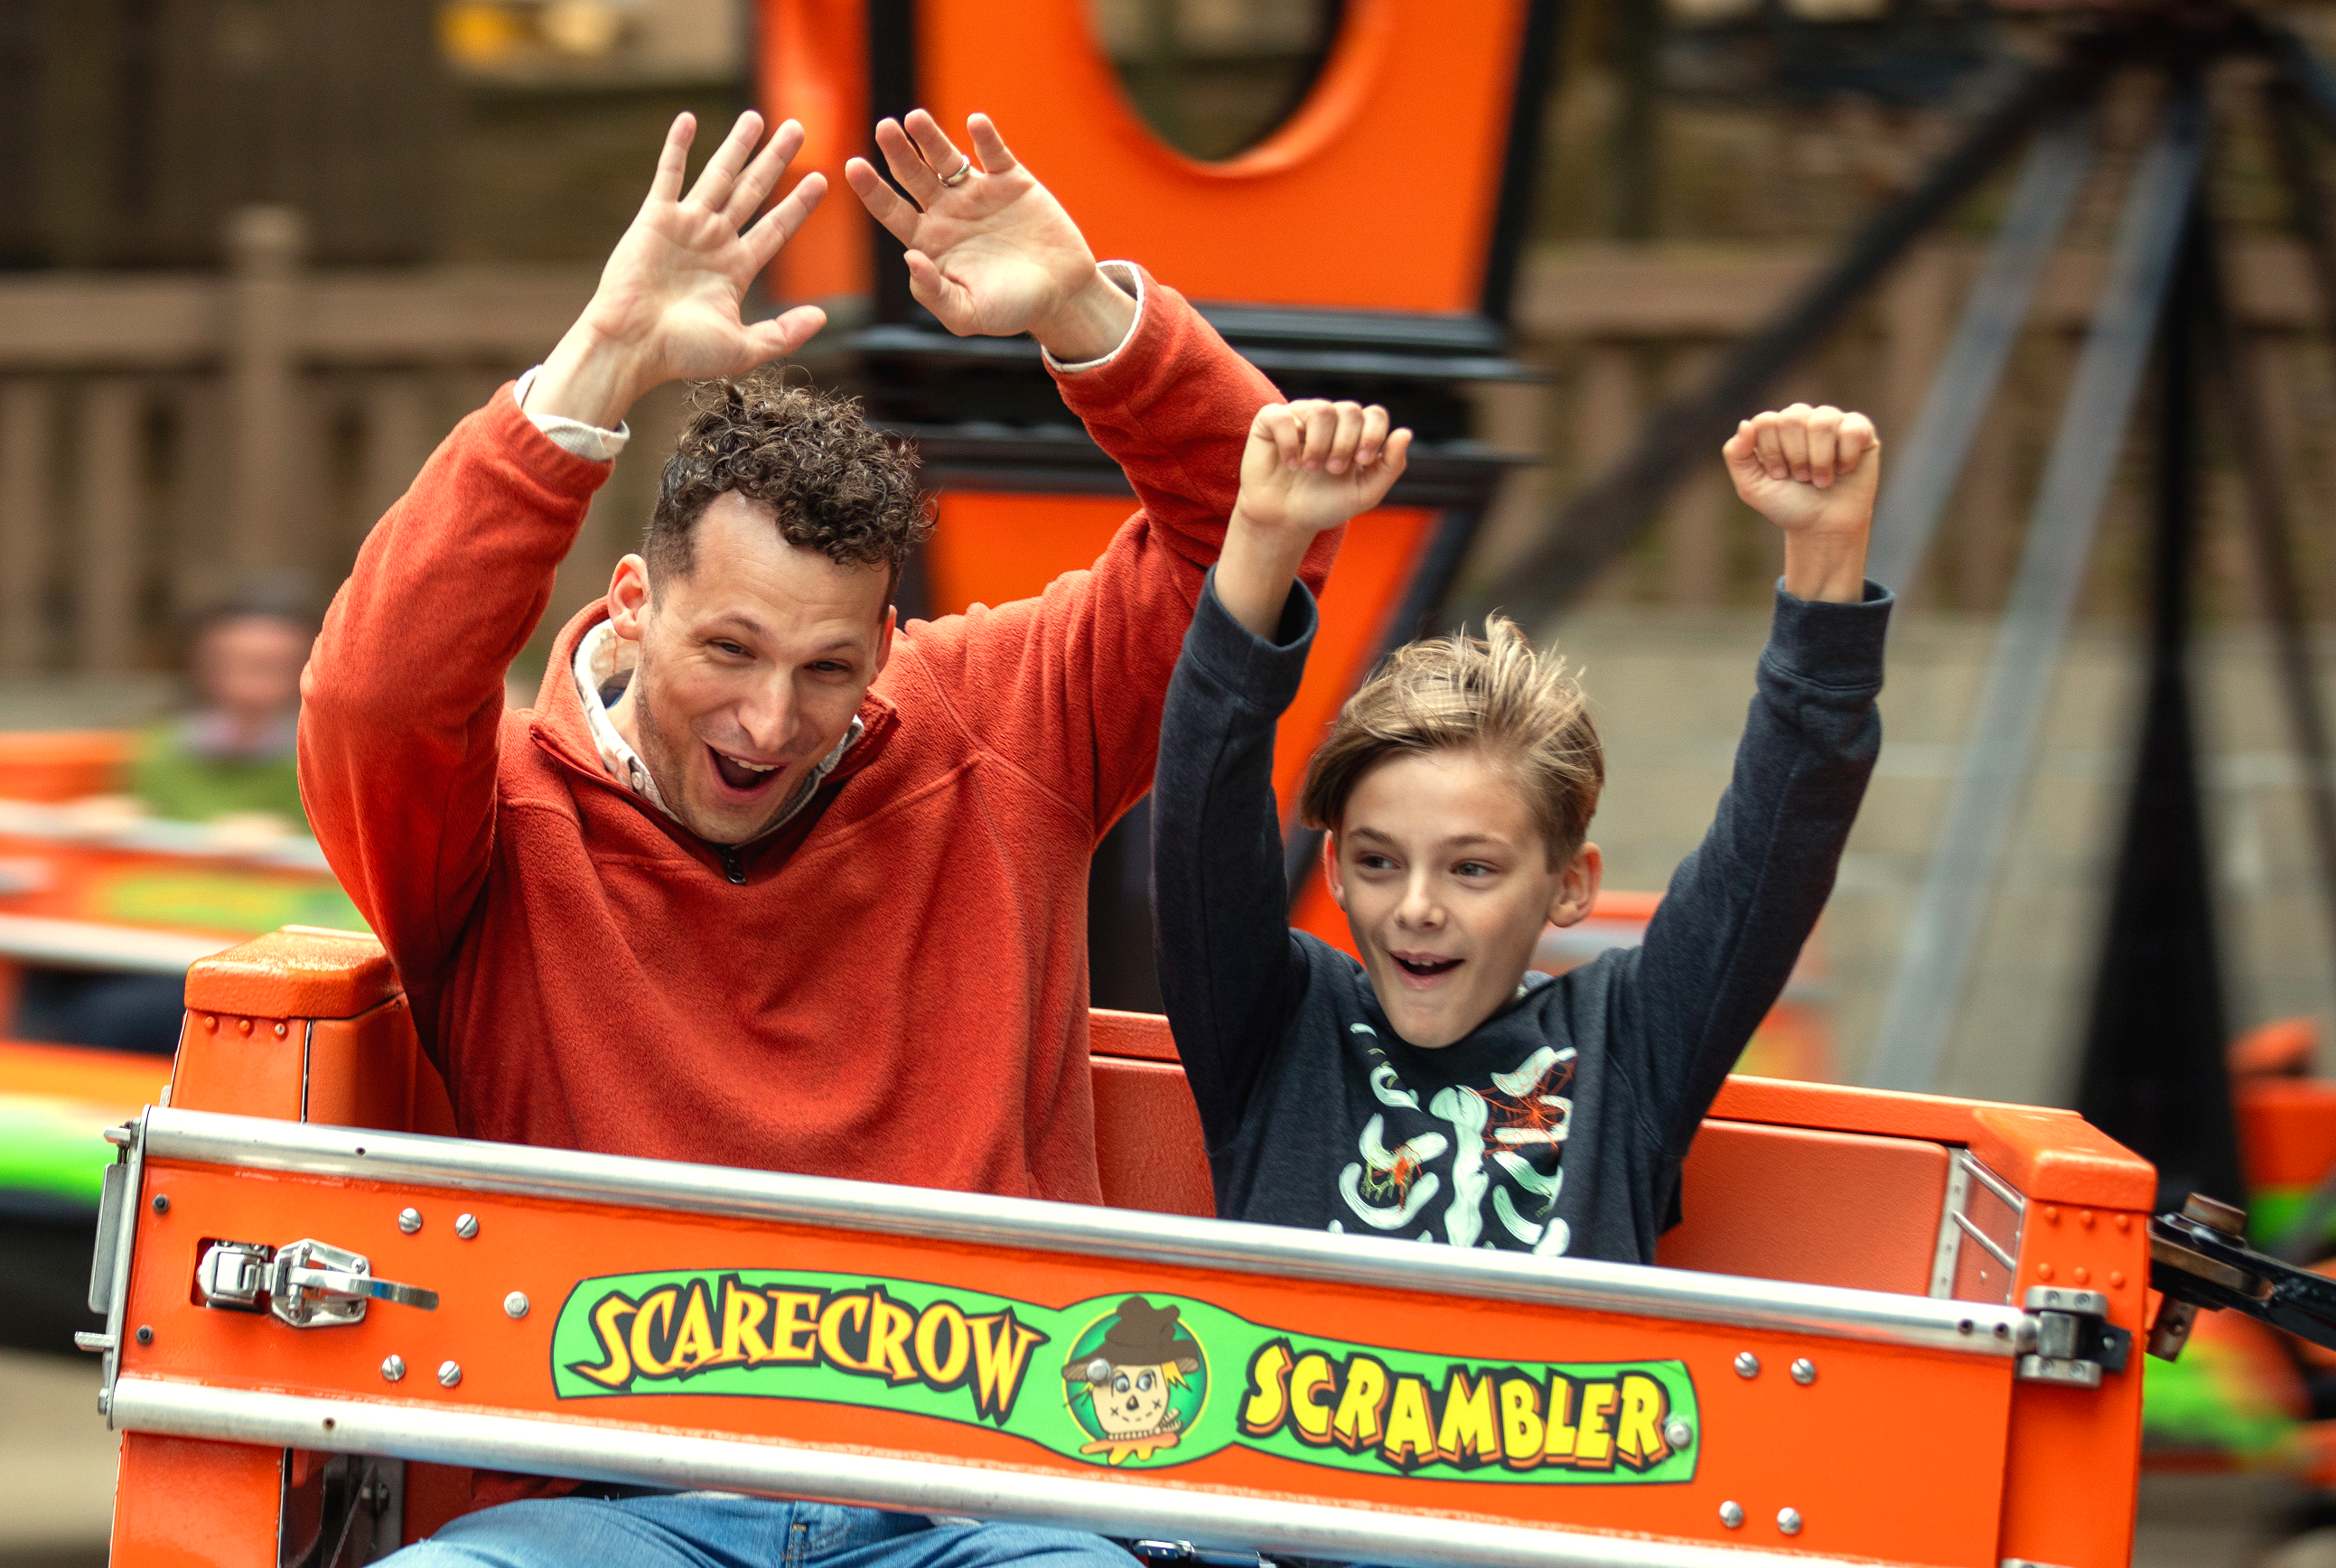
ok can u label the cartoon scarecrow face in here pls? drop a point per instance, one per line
(1143, 1355)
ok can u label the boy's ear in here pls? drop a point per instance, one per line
(1330, 876)
(1577, 888)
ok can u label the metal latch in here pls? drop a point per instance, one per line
(2068, 1338)
(309, 1284)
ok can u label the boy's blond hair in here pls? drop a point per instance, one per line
(1492, 694)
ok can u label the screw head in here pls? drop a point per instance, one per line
(1680, 1434)
(1804, 1371)
(161, 1203)
(515, 1304)
(1788, 1520)
(1748, 1365)
(393, 1368)
(145, 1333)
(449, 1374)
(466, 1226)
(409, 1220)
(1731, 1514)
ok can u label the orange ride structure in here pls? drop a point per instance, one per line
(1892, 1327)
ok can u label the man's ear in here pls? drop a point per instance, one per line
(884, 640)
(1332, 875)
(1577, 888)
(629, 598)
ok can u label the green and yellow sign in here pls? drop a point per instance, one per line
(1143, 1381)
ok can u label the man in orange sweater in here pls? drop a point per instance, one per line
(764, 878)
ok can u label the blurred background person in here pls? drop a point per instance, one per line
(228, 756)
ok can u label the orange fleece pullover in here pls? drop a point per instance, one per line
(898, 990)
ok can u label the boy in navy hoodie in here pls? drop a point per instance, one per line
(1438, 1091)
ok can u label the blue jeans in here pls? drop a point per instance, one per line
(720, 1529)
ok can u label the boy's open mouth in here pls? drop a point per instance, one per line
(1426, 968)
(743, 777)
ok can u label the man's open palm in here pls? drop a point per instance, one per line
(992, 254)
(671, 291)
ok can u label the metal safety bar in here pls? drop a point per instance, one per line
(259, 1143)
(644, 1456)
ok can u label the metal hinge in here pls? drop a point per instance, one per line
(309, 1284)
(2069, 1338)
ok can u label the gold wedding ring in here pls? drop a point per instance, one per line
(957, 177)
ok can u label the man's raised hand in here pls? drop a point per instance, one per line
(990, 251)
(1813, 472)
(1313, 464)
(668, 307)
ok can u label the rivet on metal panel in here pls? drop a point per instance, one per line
(392, 1368)
(1804, 1371)
(1731, 1514)
(2051, 1215)
(1748, 1365)
(449, 1373)
(2003, 1330)
(2124, 1223)
(1788, 1520)
(2081, 1274)
(282, 1030)
(409, 1220)
(1680, 1434)
(2085, 1218)
(145, 1333)
(161, 1203)
(2117, 1279)
(211, 1022)
(1965, 1327)
(2043, 1270)
(243, 1026)
(515, 1304)
(466, 1226)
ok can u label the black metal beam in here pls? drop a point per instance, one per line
(1601, 522)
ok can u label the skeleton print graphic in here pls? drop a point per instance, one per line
(1491, 1156)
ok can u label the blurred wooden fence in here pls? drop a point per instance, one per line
(161, 434)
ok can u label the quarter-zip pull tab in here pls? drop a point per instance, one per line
(734, 864)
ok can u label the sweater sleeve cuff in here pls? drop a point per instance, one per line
(1829, 643)
(1265, 674)
(1130, 280)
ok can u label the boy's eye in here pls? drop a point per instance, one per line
(1375, 862)
(1473, 868)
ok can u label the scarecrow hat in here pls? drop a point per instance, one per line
(1141, 1335)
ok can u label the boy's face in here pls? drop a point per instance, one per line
(1446, 883)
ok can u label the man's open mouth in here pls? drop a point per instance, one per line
(1426, 968)
(746, 777)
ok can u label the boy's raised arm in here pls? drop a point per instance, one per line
(1731, 926)
(1221, 899)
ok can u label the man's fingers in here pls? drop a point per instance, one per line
(1345, 437)
(782, 335)
(908, 165)
(779, 224)
(935, 290)
(884, 204)
(1823, 426)
(762, 175)
(933, 143)
(987, 145)
(714, 186)
(673, 158)
(1375, 434)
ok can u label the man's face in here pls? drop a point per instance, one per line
(249, 665)
(750, 667)
(1447, 884)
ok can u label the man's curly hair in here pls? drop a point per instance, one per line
(835, 485)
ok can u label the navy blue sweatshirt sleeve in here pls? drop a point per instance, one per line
(1220, 900)
(1725, 938)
